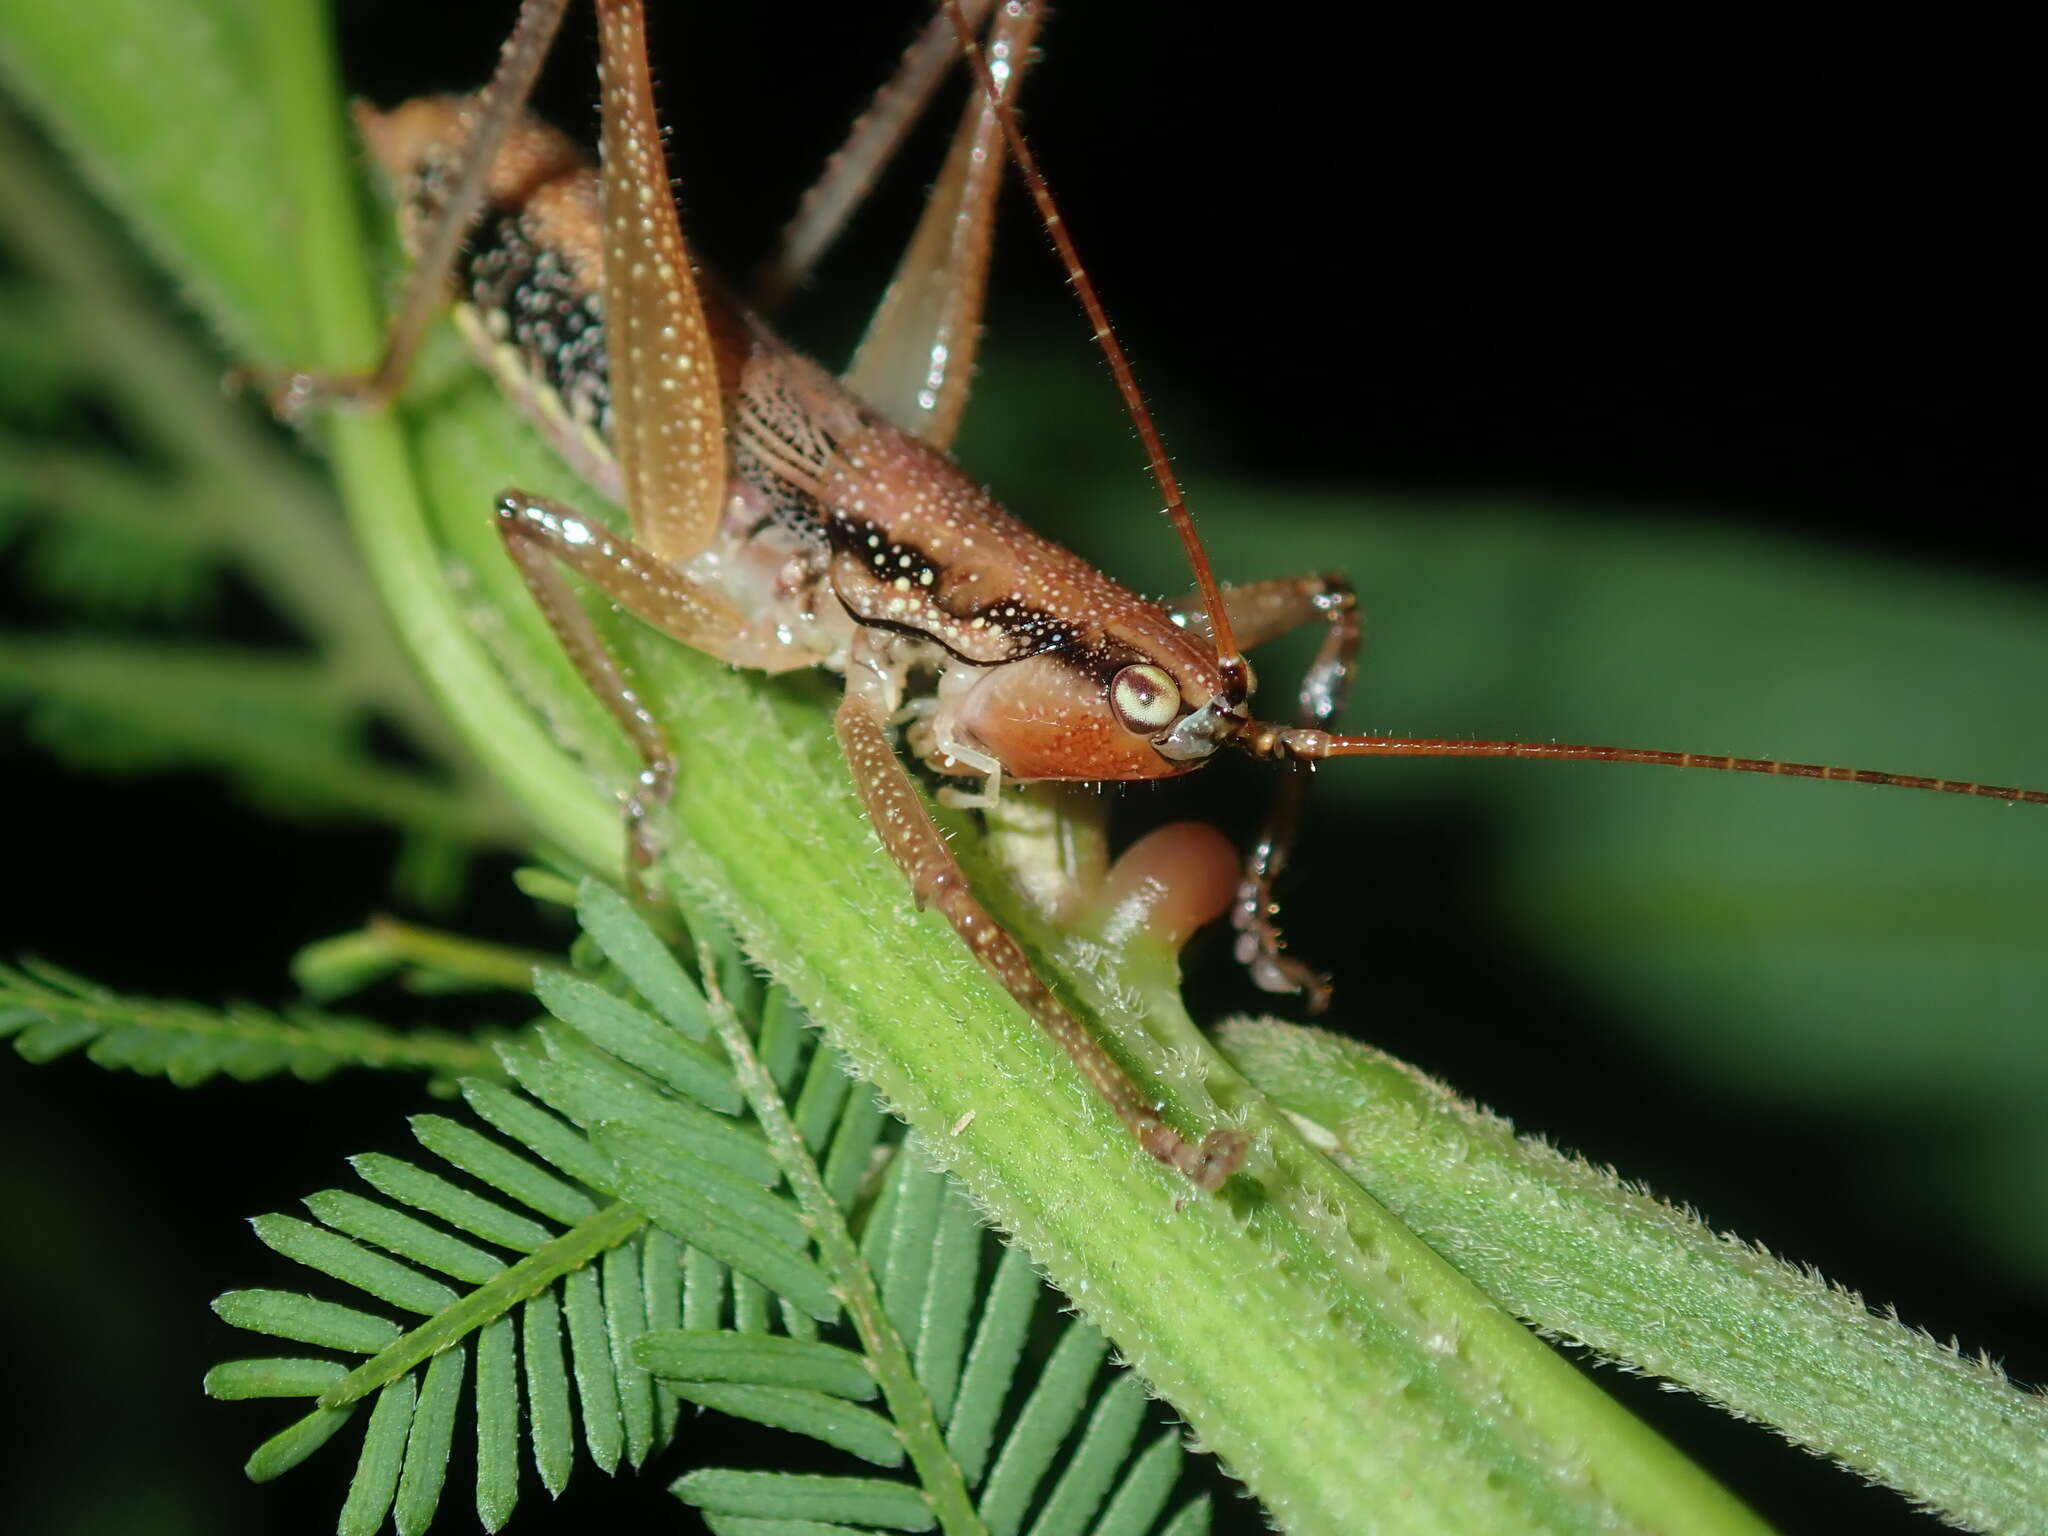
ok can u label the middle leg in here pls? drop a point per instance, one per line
(542, 537)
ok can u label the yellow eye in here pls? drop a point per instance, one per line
(1144, 698)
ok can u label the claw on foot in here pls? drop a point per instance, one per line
(290, 396)
(1205, 1164)
(1261, 950)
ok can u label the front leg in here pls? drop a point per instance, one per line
(919, 849)
(1261, 611)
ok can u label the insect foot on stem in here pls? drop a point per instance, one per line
(1205, 1164)
(292, 395)
(654, 786)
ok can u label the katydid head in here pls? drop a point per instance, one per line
(1140, 699)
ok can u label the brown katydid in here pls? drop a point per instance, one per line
(783, 519)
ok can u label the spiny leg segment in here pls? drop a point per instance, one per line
(1261, 611)
(1324, 687)
(906, 829)
(542, 536)
(915, 363)
(851, 170)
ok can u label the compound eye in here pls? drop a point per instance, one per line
(1144, 698)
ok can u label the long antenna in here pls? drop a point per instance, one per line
(1227, 654)
(1312, 745)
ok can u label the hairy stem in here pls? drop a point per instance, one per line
(910, 1406)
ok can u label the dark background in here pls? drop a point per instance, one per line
(1765, 263)
(1769, 260)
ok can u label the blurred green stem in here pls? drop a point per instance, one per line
(247, 491)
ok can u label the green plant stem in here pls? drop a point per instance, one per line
(371, 456)
(1575, 1250)
(48, 1013)
(456, 955)
(248, 495)
(910, 1406)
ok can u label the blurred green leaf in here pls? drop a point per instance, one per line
(204, 199)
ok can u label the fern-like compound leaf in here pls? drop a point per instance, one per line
(404, 1235)
(1146, 1487)
(287, 1448)
(639, 1040)
(1099, 1451)
(533, 1127)
(763, 1239)
(590, 1353)
(280, 728)
(663, 1265)
(832, 1421)
(941, 1338)
(460, 1208)
(625, 1320)
(505, 1171)
(106, 535)
(353, 1264)
(547, 1392)
(903, 1246)
(1049, 1413)
(50, 1013)
(644, 1221)
(647, 963)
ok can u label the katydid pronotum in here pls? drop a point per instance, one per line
(783, 519)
